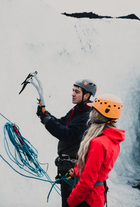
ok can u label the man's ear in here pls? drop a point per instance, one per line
(87, 95)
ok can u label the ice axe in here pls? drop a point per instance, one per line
(38, 87)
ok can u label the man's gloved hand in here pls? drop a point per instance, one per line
(43, 116)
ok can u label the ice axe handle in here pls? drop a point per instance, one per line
(43, 109)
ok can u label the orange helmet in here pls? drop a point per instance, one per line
(109, 105)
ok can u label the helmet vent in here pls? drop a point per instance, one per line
(91, 84)
(107, 110)
(109, 106)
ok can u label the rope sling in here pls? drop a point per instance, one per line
(25, 154)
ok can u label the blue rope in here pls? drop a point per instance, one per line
(26, 157)
(5, 118)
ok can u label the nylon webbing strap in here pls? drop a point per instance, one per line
(98, 183)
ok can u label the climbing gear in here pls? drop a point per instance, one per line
(70, 170)
(109, 106)
(67, 179)
(106, 190)
(44, 116)
(67, 158)
(98, 183)
(63, 163)
(26, 156)
(87, 85)
(38, 87)
(108, 121)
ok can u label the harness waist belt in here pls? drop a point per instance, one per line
(65, 157)
(98, 183)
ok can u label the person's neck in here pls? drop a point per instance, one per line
(83, 103)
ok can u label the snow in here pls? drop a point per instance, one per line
(109, 7)
(35, 37)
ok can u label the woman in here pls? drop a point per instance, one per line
(98, 152)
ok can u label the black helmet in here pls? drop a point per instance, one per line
(87, 85)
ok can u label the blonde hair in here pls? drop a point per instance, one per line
(98, 123)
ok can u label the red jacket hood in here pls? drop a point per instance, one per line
(116, 135)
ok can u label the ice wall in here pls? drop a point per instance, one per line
(62, 50)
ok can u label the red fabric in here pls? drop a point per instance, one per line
(102, 154)
(70, 117)
(72, 113)
(81, 109)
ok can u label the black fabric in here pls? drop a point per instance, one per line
(83, 204)
(45, 119)
(39, 111)
(64, 165)
(65, 190)
(70, 136)
(43, 116)
(66, 205)
(69, 140)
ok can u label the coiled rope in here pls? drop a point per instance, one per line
(26, 157)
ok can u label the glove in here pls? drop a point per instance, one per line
(43, 116)
(39, 111)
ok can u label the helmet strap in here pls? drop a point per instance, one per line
(107, 122)
(112, 120)
(83, 93)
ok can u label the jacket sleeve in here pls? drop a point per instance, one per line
(60, 120)
(89, 176)
(70, 134)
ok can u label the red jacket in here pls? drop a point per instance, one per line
(102, 154)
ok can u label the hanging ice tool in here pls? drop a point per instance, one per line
(38, 87)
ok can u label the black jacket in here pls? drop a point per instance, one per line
(69, 136)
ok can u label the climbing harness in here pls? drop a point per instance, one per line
(64, 160)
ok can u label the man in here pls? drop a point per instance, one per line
(69, 129)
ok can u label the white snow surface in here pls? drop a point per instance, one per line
(35, 37)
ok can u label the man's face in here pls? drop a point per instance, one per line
(77, 95)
